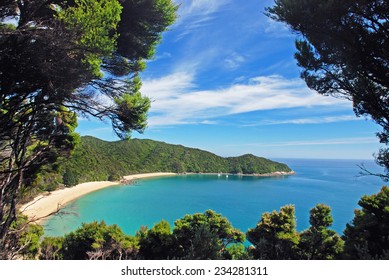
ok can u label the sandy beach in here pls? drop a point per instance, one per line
(45, 205)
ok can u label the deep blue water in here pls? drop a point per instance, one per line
(242, 199)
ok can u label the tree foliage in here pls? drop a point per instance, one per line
(96, 22)
(199, 236)
(23, 240)
(204, 236)
(98, 241)
(156, 243)
(51, 248)
(367, 236)
(319, 242)
(59, 58)
(275, 236)
(343, 51)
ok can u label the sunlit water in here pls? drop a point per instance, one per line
(242, 199)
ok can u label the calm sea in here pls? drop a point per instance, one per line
(242, 199)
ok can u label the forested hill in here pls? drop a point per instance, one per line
(95, 159)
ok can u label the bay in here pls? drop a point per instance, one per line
(242, 199)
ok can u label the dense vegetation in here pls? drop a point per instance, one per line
(60, 59)
(209, 235)
(342, 49)
(95, 159)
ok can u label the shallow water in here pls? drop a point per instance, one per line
(242, 199)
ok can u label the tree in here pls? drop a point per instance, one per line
(275, 236)
(23, 240)
(367, 236)
(156, 243)
(319, 242)
(342, 50)
(237, 252)
(51, 248)
(60, 58)
(204, 236)
(70, 177)
(98, 241)
(199, 236)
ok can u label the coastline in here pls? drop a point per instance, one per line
(275, 174)
(44, 206)
(272, 174)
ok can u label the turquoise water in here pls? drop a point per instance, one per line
(242, 199)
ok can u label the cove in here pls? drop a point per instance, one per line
(242, 199)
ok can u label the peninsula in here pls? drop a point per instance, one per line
(98, 160)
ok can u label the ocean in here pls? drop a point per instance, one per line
(242, 199)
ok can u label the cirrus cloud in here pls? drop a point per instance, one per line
(178, 101)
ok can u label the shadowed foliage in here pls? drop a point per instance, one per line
(342, 50)
(367, 236)
(62, 58)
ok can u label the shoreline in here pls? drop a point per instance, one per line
(272, 174)
(43, 206)
(275, 174)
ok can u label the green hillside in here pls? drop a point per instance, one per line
(95, 159)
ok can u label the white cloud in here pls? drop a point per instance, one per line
(209, 122)
(178, 101)
(313, 120)
(197, 58)
(168, 87)
(277, 29)
(200, 7)
(160, 56)
(233, 61)
(239, 79)
(195, 14)
(321, 142)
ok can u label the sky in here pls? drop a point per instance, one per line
(224, 80)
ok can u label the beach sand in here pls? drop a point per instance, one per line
(45, 205)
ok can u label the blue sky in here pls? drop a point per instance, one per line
(224, 80)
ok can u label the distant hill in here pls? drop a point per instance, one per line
(95, 159)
